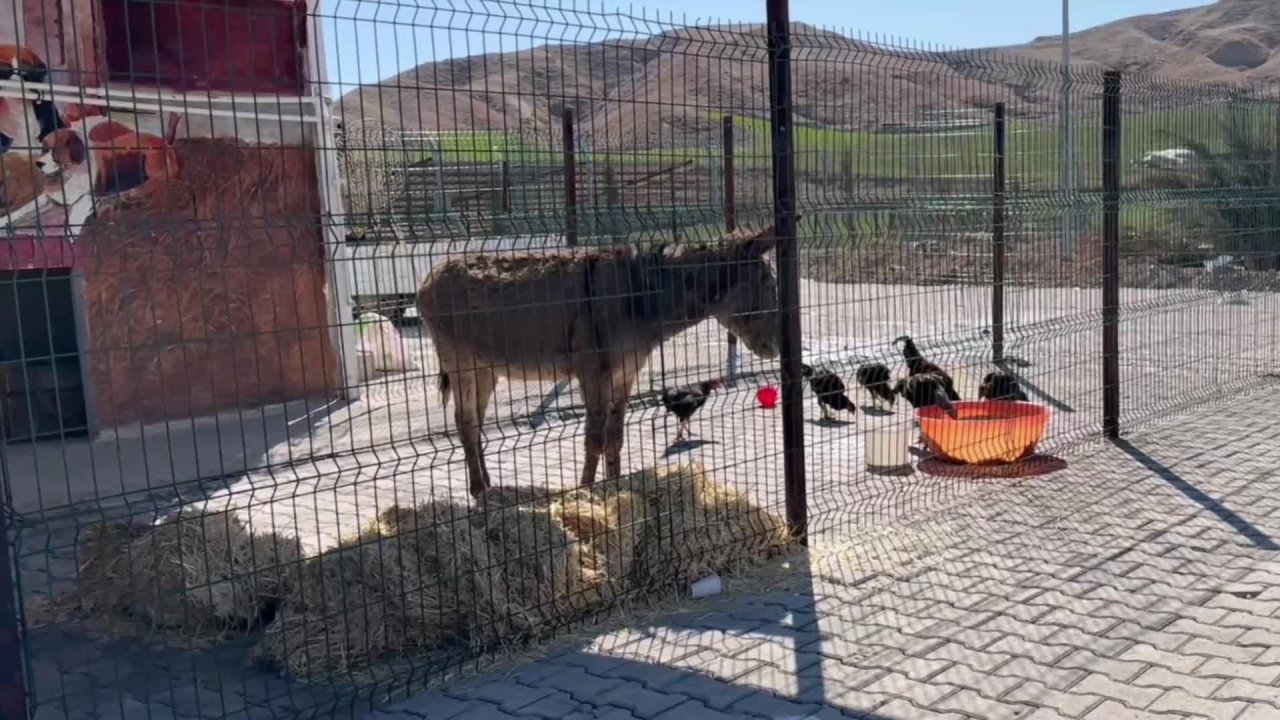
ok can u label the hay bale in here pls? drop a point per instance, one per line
(208, 572)
(415, 580)
(698, 527)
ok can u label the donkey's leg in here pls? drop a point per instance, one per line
(596, 396)
(472, 390)
(615, 426)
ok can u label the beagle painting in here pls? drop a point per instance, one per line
(24, 123)
(117, 149)
(68, 183)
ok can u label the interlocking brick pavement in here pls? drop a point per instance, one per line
(1140, 582)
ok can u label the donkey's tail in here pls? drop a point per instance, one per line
(443, 384)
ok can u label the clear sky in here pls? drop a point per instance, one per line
(370, 39)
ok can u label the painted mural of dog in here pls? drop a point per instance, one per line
(24, 123)
(88, 157)
(122, 158)
(67, 188)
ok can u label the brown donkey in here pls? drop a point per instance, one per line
(593, 315)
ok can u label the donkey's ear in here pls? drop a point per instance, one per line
(755, 246)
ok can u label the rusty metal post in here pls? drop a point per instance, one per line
(570, 181)
(778, 21)
(730, 224)
(997, 236)
(1111, 255)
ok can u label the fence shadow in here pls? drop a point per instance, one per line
(1247, 530)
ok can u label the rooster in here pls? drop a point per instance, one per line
(998, 385)
(925, 390)
(917, 365)
(683, 402)
(831, 391)
(875, 379)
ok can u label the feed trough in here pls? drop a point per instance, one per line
(983, 432)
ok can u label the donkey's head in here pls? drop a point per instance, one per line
(749, 305)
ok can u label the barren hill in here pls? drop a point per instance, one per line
(1228, 41)
(669, 88)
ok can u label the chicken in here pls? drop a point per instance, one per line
(917, 365)
(877, 380)
(830, 390)
(925, 390)
(685, 401)
(997, 385)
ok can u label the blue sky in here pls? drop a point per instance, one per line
(370, 39)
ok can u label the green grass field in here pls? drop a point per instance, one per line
(1033, 147)
(833, 164)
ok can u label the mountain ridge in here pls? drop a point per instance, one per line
(669, 88)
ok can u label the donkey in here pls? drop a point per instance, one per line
(592, 315)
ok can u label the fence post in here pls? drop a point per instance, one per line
(570, 181)
(997, 237)
(778, 20)
(1111, 255)
(506, 187)
(675, 214)
(13, 690)
(730, 224)
(611, 202)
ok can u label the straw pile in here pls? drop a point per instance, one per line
(419, 578)
(609, 522)
(206, 574)
(435, 576)
(106, 582)
(697, 527)
(545, 568)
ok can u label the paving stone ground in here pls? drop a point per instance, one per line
(1094, 592)
(1139, 582)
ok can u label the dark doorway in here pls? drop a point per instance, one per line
(41, 388)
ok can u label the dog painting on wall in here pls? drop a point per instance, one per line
(24, 123)
(123, 158)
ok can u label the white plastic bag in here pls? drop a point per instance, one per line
(378, 340)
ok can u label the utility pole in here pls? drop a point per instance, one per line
(1066, 156)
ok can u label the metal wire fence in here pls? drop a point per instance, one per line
(313, 322)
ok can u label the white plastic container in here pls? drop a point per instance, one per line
(706, 587)
(888, 447)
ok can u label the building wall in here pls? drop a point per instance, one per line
(202, 257)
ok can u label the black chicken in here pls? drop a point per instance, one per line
(997, 385)
(685, 401)
(877, 380)
(917, 365)
(830, 390)
(925, 390)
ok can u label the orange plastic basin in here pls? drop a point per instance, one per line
(989, 431)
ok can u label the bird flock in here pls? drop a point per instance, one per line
(926, 384)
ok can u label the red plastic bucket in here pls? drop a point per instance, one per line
(767, 397)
